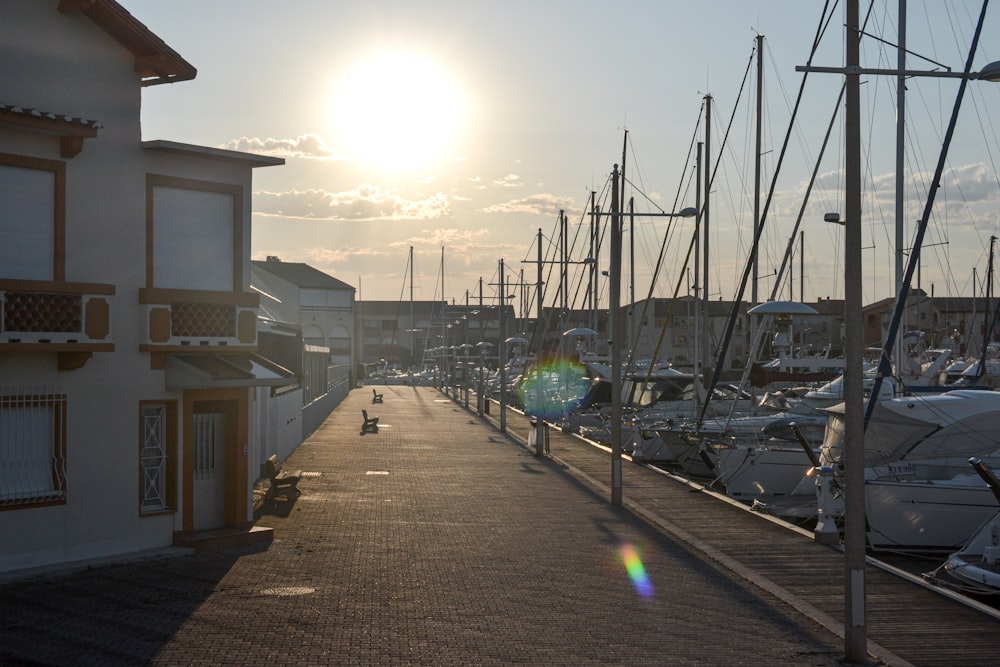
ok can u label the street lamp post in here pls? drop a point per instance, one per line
(614, 329)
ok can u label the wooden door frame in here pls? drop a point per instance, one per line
(234, 404)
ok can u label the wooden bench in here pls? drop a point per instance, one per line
(376, 397)
(282, 481)
(370, 424)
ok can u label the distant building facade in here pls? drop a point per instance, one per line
(320, 303)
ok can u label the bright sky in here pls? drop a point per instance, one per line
(467, 126)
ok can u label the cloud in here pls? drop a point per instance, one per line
(449, 237)
(366, 202)
(509, 181)
(304, 146)
(341, 255)
(538, 204)
(977, 182)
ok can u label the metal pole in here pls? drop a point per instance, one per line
(756, 171)
(695, 345)
(802, 266)
(900, 181)
(466, 377)
(502, 352)
(482, 361)
(413, 322)
(855, 631)
(563, 257)
(614, 326)
(540, 335)
(631, 268)
(444, 339)
(704, 230)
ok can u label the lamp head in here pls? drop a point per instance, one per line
(991, 72)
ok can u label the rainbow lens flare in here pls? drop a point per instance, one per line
(636, 571)
(553, 388)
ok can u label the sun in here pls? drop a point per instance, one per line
(397, 109)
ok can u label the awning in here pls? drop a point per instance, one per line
(207, 371)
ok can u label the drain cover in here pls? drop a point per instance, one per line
(287, 591)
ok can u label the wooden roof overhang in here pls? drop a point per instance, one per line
(71, 131)
(155, 62)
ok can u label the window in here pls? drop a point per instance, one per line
(325, 299)
(157, 453)
(32, 448)
(32, 218)
(194, 234)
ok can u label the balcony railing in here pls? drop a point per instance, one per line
(181, 319)
(72, 319)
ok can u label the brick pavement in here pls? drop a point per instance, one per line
(436, 541)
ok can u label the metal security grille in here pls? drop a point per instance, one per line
(152, 458)
(208, 433)
(32, 446)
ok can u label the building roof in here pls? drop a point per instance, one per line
(71, 131)
(253, 159)
(154, 61)
(301, 275)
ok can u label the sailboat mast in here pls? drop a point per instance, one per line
(756, 170)
(614, 326)
(631, 266)
(564, 274)
(593, 268)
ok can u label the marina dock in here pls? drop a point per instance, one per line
(440, 540)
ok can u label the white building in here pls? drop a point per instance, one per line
(322, 304)
(128, 330)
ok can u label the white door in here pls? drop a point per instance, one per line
(209, 444)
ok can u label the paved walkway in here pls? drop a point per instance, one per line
(436, 541)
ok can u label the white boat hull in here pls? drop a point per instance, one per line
(978, 562)
(925, 516)
(760, 472)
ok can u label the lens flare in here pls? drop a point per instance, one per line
(636, 571)
(553, 388)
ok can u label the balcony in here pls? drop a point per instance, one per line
(186, 320)
(72, 319)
